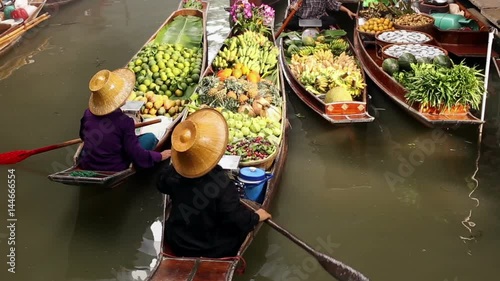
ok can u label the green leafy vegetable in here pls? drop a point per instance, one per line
(184, 30)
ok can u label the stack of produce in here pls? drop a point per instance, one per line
(250, 50)
(243, 87)
(169, 67)
(166, 69)
(437, 84)
(157, 105)
(322, 65)
(375, 25)
(192, 4)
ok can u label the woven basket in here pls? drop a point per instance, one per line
(367, 35)
(426, 28)
(263, 164)
(383, 43)
(385, 56)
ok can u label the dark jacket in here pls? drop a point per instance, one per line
(207, 218)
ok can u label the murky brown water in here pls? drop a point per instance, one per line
(335, 193)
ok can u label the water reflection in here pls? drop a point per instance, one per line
(13, 64)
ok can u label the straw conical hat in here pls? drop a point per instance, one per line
(110, 89)
(199, 142)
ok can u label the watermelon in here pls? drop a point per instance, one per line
(405, 61)
(390, 66)
(424, 60)
(443, 60)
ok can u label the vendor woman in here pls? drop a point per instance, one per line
(207, 218)
(318, 9)
(108, 134)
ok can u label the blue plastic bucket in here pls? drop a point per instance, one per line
(254, 180)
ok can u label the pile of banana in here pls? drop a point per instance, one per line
(251, 49)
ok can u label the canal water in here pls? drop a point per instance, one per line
(393, 199)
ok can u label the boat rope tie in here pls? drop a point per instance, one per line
(85, 174)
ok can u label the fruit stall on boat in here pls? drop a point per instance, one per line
(245, 83)
(167, 70)
(322, 69)
(401, 56)
(16, 18)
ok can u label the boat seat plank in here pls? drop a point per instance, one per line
(188, 269)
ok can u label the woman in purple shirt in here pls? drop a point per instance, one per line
(110, 143)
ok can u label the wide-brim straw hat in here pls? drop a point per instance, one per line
(110, 89)
(199, 142)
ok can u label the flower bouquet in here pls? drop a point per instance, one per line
(247, 16)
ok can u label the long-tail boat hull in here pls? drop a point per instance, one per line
(112, 179)
(170, 267)
(7, 46)
(367, 54)
(336, 112)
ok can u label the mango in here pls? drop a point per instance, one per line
(157, 104)
(132, 96)
(152, 111)
(149, 105)
(149, 94)
(161, 111)
(172, 110)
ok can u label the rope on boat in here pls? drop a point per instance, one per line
(240, 270)
(85, 174)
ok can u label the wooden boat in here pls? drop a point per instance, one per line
(464, 43)
(55, 4)
(112, 179)
(335, 112)
(170, 267)
(203, 3)
(9, 37)
(367, 54)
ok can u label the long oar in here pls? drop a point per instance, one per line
(294, 9)
(337, 269)
(16, 156)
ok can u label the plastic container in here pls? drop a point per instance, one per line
(445, 21)
(254, 180)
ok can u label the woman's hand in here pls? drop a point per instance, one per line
(165, 154)
(263, 214)
(351, 14)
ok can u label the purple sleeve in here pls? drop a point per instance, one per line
(333, 5)
(139, 156)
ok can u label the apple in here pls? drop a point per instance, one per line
(262, 123)
(247, 123)
(231, 123)
(255, 128)
(261, 134)
(230, 137)
(245, 131)
(238, 124)
(268, 131)
(238, 134)
(277, 132)
(238, 116)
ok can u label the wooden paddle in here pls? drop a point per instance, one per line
(17, 156)
(337, 269)
(294, 9)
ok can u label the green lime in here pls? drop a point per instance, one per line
(152, 62)
(162, 64)
(131, 64)
(176, 71)
(189, 80)
(183, 86)
(152, 86)
(159, 56)
(166, 56)
(164, 77)
(180, 65)
(171, 63)
(143, 72)
(155, 68)
(146, 82)
(140, 79)
(143, 88)
(179, 93)
(195, 77)
(168, 93)
(164, 87)
(137, 69)
(138, 62)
